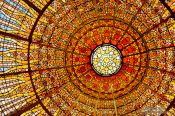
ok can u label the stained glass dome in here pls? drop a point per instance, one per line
(87, 57)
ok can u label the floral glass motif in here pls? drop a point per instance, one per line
(106, 60)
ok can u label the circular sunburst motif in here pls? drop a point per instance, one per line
(106, 60)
